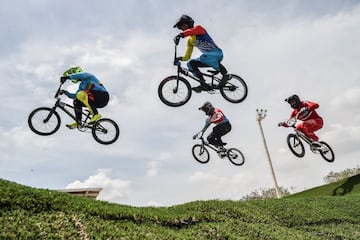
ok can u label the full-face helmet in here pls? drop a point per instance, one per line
(207, 107)
(294, 101)
(184, 19)
(73, 70)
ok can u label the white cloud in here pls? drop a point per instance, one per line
(113, 190)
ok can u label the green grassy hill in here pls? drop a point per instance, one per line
(328, 212)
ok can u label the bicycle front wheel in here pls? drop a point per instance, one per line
(326, 152)
(105, 131)
(200, 153)
(295, 145)
(235, 156)
(44, 121)
(235, 89)
(174, 91)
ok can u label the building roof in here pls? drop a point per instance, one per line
(84, 192)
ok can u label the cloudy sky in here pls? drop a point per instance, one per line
(280, 47)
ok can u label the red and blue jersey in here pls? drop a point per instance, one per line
(217, 116)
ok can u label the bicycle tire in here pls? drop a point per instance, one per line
(105, 131)
(173, 94)
(295, 145)
(44, 121)
(327, 154)
(200, 153)
(235, 156)
(235, 90)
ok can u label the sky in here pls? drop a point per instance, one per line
(279, 47)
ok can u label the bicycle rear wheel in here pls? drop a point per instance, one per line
(295, 145)
(44, 121)
(174, 91)
(105, 131)
(326, 152)
(200, 153)
(235, 156)
(235, 89)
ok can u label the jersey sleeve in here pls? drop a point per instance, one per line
(189, 48)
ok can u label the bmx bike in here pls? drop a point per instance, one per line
(201, 153)
(45, 121)
(295, 143)
(176, 90)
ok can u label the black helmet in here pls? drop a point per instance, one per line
(207, 107)
(184, 19)
(294, 98)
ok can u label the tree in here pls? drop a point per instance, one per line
(334, 177)
(265, 193)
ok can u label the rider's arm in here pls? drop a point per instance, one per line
(197, 30)
(189, 48)
(70, 95)
(293, 114)
(311, 105)
(207, 124)
(81, 75)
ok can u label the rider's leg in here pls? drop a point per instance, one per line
(84, 97)
(213, 139)
(194, 65)
(220, 130)
(78, 113)
(308, 127)
(225, 76)
(223, 70)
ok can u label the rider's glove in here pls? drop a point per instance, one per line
(195, 136)
(177, 38)
(64, 78)
(177, 61)
(282, 124)
(62, 92)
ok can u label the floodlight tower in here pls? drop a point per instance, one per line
(261, 114)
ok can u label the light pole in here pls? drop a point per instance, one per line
(261, 114)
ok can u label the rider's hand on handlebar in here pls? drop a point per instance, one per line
(64, 78)
(177, 61)
(61, 92)
(196, 135)
(281, 124)
(177, 38)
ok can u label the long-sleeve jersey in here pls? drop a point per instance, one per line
(88, 82)
(311, 114)
(200, 39)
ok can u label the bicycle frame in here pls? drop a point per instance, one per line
(62, 105)
(204, 143)
(292, 123)
(184, 71)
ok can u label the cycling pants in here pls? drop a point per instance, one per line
(308, 127)
(218, 131)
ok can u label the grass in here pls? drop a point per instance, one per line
(327, 212)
